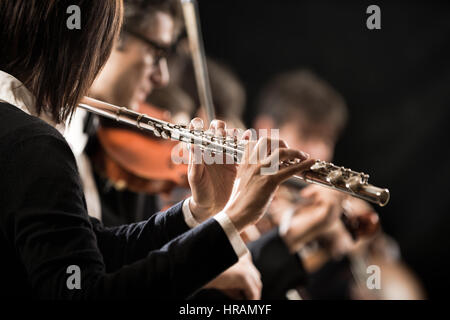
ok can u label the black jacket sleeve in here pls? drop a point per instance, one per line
(128, 243)
(280, 270)
(44, 220)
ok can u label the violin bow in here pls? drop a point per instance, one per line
(193, 28)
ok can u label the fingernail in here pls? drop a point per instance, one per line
(197, 123)
(304, 154)
(246, 135)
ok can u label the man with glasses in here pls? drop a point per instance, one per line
(138, 64)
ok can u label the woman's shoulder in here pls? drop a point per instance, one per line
(17, 126)
(27, 141)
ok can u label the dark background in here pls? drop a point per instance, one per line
(397, 84)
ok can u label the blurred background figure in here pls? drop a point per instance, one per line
(308, 112)
(310, 116)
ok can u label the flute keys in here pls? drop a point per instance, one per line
(157, 133)
(334, 176)
(165, 134)
(319, 165)
(354, 183)
(153, 128)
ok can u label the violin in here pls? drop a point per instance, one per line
(134, 160)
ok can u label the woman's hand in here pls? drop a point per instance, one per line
(211, 183)
(253, 191)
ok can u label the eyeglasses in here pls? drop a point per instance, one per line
(161, 52)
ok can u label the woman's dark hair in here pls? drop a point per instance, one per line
(56, 64)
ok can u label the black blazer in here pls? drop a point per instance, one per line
(44, 229)
(280, 270)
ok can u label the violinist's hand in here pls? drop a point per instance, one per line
(319, 213)
(241, 281)
(211, 182)
(338, 240)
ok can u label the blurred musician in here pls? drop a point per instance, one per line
(310, 115)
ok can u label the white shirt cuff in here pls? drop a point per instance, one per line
(233, 235)
(188, 216)
(228, 227)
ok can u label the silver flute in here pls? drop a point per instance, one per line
(321, 173)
